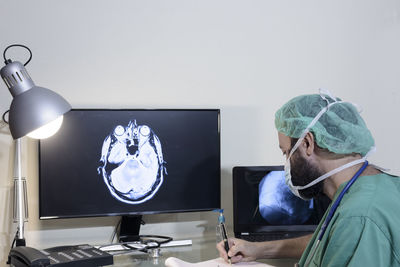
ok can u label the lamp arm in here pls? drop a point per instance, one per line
(20, 241)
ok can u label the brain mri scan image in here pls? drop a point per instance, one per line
(278, 205)
(132, 163)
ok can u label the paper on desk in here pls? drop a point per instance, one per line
(218, 262)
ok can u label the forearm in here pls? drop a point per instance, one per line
(287, 248)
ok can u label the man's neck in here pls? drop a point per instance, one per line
(332, 183)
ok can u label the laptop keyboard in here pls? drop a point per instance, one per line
(272, 236)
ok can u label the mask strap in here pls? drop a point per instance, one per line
(339, 169)
(323, 92)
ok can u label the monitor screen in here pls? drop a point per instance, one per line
(130, 162)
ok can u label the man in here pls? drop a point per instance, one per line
(326, 144)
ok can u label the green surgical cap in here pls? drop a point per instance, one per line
(340, 130)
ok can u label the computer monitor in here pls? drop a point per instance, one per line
(265, 208)
(105, 162)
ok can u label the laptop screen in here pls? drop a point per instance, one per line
(263, 203)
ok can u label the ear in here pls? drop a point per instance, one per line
(309, 144)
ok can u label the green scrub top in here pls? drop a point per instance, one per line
(365, 229)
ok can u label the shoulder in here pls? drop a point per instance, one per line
(372, 200)
(372, 193)
(354, 238)
(369, 213)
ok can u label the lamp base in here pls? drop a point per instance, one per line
(20, 242)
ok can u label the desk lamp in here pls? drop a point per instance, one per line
(36, 112)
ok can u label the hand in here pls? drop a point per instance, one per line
(240, 250)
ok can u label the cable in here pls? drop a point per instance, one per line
(114, 234)
(4, 116)
(19, 45)
(15, 238)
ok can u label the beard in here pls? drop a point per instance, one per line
(303, 173)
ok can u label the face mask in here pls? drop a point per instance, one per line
(288, 180)
(288, 177)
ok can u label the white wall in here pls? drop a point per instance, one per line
(245, 57)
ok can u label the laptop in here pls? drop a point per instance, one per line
(265, 209)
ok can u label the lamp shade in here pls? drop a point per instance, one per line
(32, 107)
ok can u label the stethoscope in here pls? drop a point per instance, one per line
(332, 211)
(145, 243)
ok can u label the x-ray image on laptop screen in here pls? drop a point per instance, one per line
(263, 202)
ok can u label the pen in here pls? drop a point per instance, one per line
(225, 239)
(222, 231)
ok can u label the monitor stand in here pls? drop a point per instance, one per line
(129, 228)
